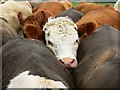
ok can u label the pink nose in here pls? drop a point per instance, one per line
(68, 62)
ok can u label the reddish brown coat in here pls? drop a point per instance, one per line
(85, 7)
(95, 19)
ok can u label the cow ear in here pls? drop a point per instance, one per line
(46, 15)
(21, 18)
(87, 28)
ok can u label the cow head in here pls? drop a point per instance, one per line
(32, 25)
(62, 38)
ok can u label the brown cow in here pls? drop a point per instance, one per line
(86, 7)
(33, 25)
(52, 7)
(95, 19)
(99, 60)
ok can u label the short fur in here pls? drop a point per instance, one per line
(85, 7)
(99, 60)
(13, 8)
(95, 19)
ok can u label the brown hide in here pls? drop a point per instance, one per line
(33, 25)
(95, 19)
(85, 7)
(52, 7)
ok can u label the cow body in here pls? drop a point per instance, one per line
(10, 9)
(85, 7)
(52, 7)
(72, 13)
(99, 58)
(25, 59)
(32, 25)
(95, 19)
(6, 32)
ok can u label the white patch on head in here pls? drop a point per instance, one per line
(117, 6)
(62, 37)
(24, 80)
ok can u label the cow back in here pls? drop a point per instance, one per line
(19, 55)
(98, 57)
(6, 32)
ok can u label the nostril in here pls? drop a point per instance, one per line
(61, 61)
(73, 61)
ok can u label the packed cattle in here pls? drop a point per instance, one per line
(99, 60)
(57, 45)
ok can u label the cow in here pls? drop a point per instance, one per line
(52, 7)
(6, 32)
(117, 6)
(10, 9)
(71, 13)
(62, 38)
(98, 57)
(32, 25)
(93, 20)
(85, 7)
(29, 63)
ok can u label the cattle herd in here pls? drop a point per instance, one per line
(57, 45)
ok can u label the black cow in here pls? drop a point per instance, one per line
(6, 32)
(99, 58)
(72, 13)
(20, 55)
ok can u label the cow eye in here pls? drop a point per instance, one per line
(75, 28)
(77, 41)
(45, 29)
(50, 43)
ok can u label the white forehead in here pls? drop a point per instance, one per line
(60, 29)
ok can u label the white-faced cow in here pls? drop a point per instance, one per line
(62, 38)
(6, 31)
(30, 64)
(99, 60)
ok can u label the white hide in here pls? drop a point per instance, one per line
(117, 6)
(24, 80)
(10, 9)
(62, 33)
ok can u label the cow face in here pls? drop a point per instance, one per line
(62, 38)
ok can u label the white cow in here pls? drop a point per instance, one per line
(117, 6)
(62, 37)
(10, 9)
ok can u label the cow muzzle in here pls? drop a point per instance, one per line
(68, 62)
